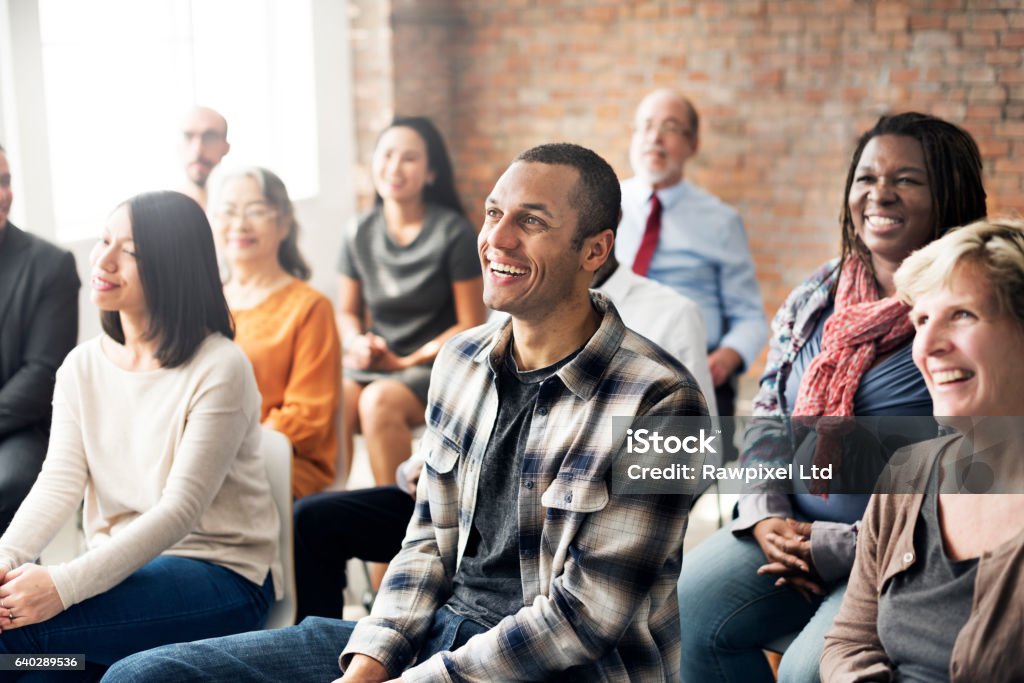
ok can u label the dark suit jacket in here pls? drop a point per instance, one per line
(38, 326)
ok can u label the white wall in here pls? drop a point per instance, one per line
(23, 109)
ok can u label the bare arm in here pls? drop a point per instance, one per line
(469, 312)
(350, 308)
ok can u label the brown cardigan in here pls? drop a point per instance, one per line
(988, 646)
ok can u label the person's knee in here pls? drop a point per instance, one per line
(380, 405)
(161, 664)
(800, 662)
(312, 516)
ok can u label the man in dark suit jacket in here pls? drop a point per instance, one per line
(38, 326)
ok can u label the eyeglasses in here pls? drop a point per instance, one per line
(669, 128)
(206, 137)
(254, 213)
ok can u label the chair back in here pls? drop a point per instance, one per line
(277, 457)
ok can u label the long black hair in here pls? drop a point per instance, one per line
(177, 266)
(442, 190)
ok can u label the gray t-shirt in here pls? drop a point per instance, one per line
(488, 585)
(921, 610)
(408, 289)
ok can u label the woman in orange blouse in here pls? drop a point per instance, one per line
(285, 327)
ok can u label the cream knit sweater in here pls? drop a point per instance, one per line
(167, 462)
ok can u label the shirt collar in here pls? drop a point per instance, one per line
(617, 284)
(582, 374)
(668, 195)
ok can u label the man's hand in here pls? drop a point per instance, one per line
(786, 545)
(27, 597)
(365, 669)
(412, 476)
(724, 362)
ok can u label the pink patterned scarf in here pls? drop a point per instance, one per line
(861, 328)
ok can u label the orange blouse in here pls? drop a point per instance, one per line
(292, 343)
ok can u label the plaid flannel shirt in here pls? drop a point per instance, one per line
(598, 569)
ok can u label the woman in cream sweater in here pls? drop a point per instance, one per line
(156, 426)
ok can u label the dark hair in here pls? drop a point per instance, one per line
(442, 190)
(953, 163)
(596, 197)
(276, 195)
(177, 266)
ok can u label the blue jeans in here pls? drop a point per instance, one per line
(307, 652)
(728, 612)
(168, 600)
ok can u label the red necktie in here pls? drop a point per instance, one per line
(650, 240)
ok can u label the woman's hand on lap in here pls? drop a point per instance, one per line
(29, 594)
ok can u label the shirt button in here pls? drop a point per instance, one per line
(908, 557)
(543, 411)
(528, 484)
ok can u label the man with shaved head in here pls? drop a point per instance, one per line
(204, 142)
(681, 235)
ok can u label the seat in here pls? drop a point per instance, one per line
(277, 457)
(781, 643)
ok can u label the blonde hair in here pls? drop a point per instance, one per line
(995, 248)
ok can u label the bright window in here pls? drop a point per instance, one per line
(119, 75)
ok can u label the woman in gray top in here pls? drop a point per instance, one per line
(409, 280)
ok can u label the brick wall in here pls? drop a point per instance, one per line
(784, 88)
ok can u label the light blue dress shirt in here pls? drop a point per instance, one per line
(702, 253)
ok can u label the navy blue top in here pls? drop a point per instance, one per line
(893, 387)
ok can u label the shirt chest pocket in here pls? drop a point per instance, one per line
(576, 495)
(442, 455)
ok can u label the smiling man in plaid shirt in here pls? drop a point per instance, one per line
(520, 562)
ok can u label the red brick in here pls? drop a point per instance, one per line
(1010, 129)
(1003, 57)
(1012, 39)
(919, 22)
(1009, 165)
(934, 39)
(989, 20)
(984, 111)
(1011, 76)
(980, 39)
(904, 75)
(983, 74)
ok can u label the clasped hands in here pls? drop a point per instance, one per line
(370, 352)
(786, 544)
(27, 596)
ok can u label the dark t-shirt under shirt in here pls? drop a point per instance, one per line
(921, 611)
(488, 585)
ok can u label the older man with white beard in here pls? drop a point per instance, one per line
(680, 235)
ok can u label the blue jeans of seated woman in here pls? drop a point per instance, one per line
(169, 600)
(307, 652)
(728, 613)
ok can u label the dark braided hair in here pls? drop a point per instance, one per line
(953, 163)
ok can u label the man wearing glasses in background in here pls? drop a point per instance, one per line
(204, 142)
(681, 235)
